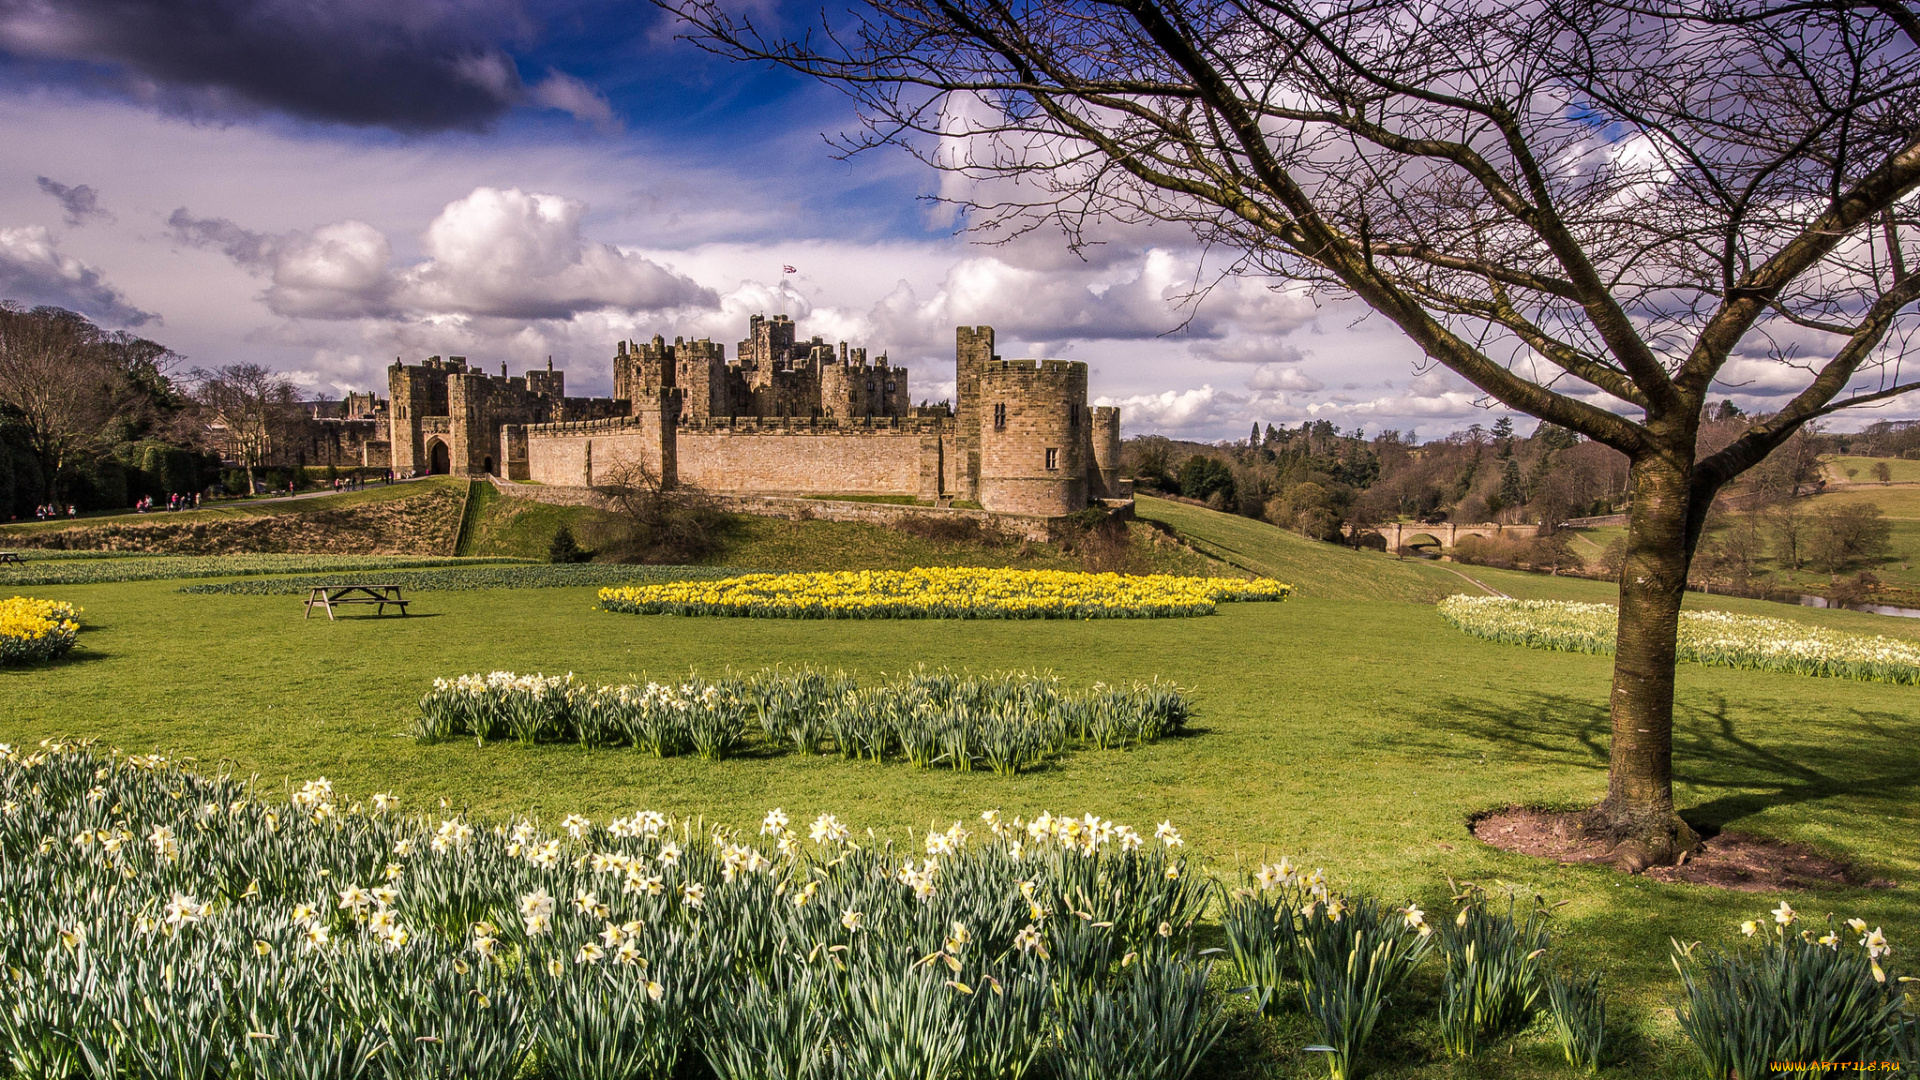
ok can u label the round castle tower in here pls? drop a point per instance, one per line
(1034, 436)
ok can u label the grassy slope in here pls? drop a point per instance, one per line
(1315, 569)
(1901, 470)
(249, 508)
(524, 528)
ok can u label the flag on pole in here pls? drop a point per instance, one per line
(788, 270)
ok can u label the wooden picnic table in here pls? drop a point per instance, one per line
(12, 557)
(326, 596)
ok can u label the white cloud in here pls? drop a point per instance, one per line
(493, 254)
(569, 95)
(1278, 377)
(34, 271)
(1194, 411)
(521, 255)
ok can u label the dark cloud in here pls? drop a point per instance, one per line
(80, 201)
(250, 249)
(413, 65)
(33, 272)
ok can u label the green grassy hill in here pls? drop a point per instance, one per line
(1313, 568)
(502, 525)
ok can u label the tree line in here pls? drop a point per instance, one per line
(98, 419)
(1340, 487)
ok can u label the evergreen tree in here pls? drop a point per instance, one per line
(1512, 491)
(564, 549)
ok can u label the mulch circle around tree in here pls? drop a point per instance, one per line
(1727, 860)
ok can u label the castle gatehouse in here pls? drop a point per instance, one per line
(781, 418)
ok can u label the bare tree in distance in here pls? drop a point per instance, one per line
(645, 521)
(253, 405)
(73, 386)
(1591, 211)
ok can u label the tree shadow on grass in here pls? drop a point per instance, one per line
(1749, 762)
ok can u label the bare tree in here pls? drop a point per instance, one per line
(248, 409)
(1593, 211)
(644, 521)
(72, 386)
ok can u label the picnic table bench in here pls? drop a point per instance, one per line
(326, 596)
(12, 557)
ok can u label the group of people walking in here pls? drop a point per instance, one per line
(175, 501)
(51, 511)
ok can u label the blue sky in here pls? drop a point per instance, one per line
(325, 187)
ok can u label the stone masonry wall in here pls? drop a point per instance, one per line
(881, 462)
(584, 454)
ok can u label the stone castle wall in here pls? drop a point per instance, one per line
(850, 459)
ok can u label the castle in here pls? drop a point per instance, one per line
(781, 418)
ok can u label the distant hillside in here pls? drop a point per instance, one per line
(1314, 568)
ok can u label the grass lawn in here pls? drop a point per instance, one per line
(1899, 470)
(1343, 727)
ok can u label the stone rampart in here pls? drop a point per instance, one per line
(881, 460)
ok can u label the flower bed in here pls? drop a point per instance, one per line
(34, 630)
(1006, 722)
(336, 938)
(1706, 637)
(943, 593)
(164, 924)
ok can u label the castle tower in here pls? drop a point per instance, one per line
(469, 448)
(972, 352)
(1033, 423)
(1104, 480)
(700, 371)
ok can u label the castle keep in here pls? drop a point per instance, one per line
(781, 418)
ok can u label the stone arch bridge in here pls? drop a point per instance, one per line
(1400, 534)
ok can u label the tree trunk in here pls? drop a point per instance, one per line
(1638, 814)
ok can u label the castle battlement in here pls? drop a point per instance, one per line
(781, 425)
(783, 417)
(1056, 368)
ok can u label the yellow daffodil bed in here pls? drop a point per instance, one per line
(942, 593)
(33, 630)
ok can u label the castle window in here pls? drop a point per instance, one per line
(1073, 416)
(1000, 416)
(1053, 458)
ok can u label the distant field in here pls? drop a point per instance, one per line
(1903, 470)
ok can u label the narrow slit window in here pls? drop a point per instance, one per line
(1053, 457)
(999, 416)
